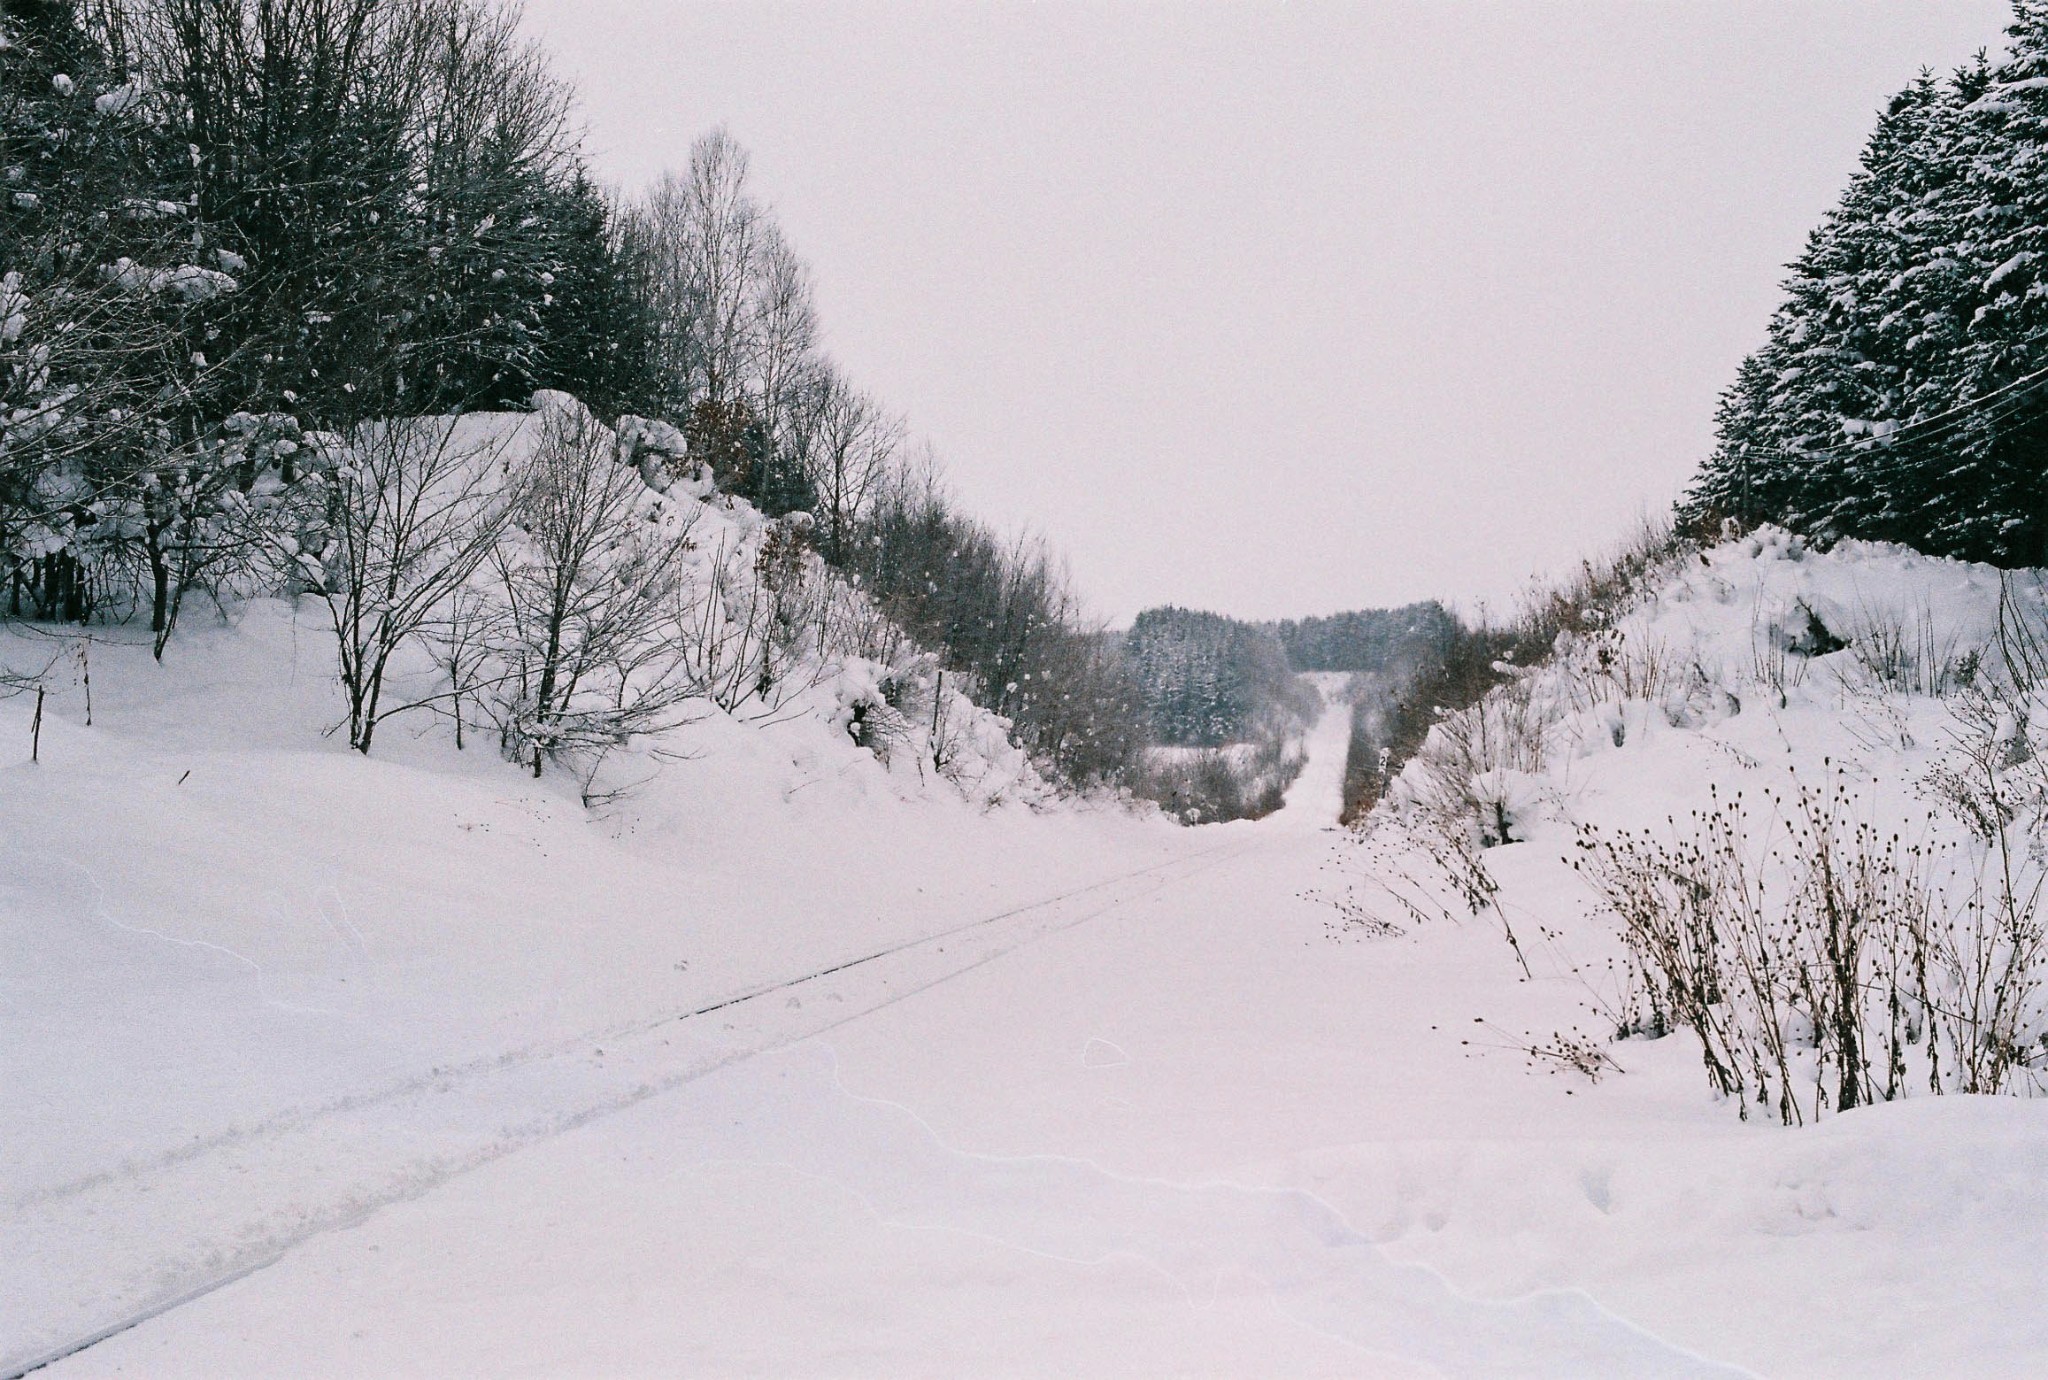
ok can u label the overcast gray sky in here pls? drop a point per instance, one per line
(1279, 310)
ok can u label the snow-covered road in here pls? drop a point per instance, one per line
(1156, 1118)
(756, 1088)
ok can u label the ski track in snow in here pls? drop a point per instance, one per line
(447, 1077)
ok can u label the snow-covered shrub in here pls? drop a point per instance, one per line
(1475, 761)
(869, 711)
(1907, 651)
(1605, 666)
(748, 637)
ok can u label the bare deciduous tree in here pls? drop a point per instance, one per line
(588, 576)
(789, 373)
(698, 239)
(464, 647)
(413, 513)
(851, 448)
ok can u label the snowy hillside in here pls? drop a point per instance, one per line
(726, 619)
(1773, 830)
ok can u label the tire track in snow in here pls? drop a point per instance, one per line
(382, 1126)
(440, 1077)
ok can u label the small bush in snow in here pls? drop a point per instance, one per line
(1825, 961)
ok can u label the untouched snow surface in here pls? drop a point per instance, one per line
(409, 1067)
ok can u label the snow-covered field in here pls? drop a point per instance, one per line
(790, 1065)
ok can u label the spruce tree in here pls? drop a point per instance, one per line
(1892, 398)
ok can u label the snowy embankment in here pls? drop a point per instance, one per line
(1191, 1113)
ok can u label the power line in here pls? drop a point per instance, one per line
(1952, 419)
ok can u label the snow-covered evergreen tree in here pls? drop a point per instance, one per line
(1208, 680)
(1896, 394)
(110, 297)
